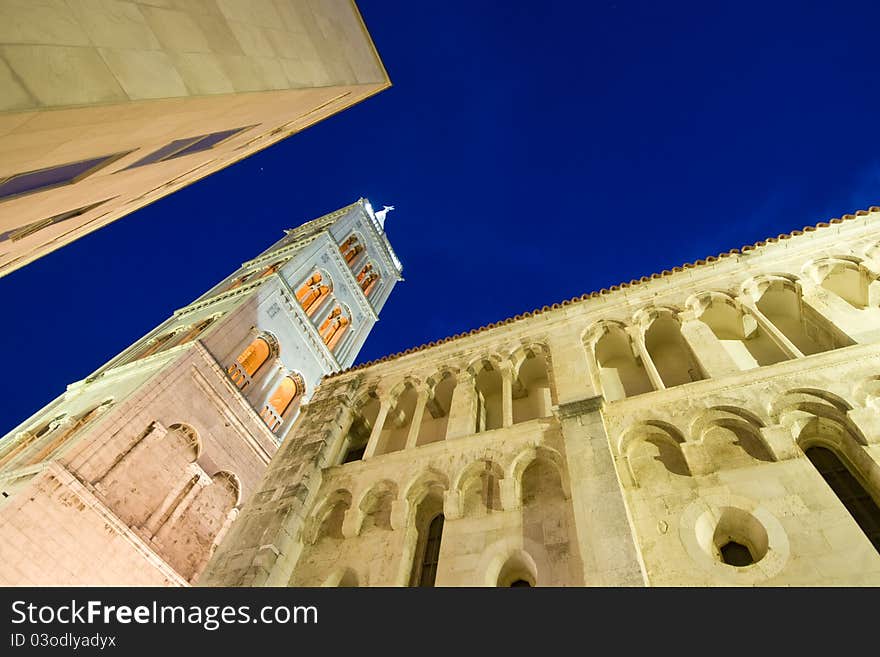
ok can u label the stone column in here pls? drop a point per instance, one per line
(638, 339)
(152, 435)
(463, 408)
(172, 499)
(375, 434)
(416, 422)
(260, 390)
(506, 396)
(707, 348)
(775, 334)
(201, 480)
(835, 310)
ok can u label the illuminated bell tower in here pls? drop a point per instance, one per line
(137, 471)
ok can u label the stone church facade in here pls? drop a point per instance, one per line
(716, 424)
(134, 475)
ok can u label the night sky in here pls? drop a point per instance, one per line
(533, 153)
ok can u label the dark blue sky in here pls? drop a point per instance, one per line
(533, 152)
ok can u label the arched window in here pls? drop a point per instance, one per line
(489, 389)
(250, 360)
(268, 271)
(281, 400)
(62, 436)
(333, 328)
(238, 282)
(431, 552)
(365, 272)
(29, 438)
(369, 283)
(804, 327)
(855, 498)
(196, 330)
(531, 389)
(313, 292)
(155, 345)
(351, 248)
(740, 335)
(621, 372)
(670, 353)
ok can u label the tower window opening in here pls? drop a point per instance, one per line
(249, 361)
(313, 292)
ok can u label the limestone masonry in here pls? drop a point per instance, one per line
(135, 474)
(712, 425)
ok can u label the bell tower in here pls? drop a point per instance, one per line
(137, 471)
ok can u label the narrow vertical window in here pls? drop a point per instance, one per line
(350, 249)
(313, 292)
(855, 498)
(431, 554)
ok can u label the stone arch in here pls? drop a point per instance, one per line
(327, 519)
(732, 436)
(375, 506)
(352, 248)
(421, 484)
(334, 325)
(832, 435)
(618, 370)
(402, 402)
(366, 411)
(57, 434)
(201, 525)
(232, 482)
(314, 291)
(533, 391)
(155, 465)
(653, 452)
(669, 351)
(779, 298)
(853, 485)
(192, 437)
(478, 486)
(438, 405)
(424, 497)
(528, 456)
(794, 408)
(548, 527)
(489, 392)
(259, 351)
(511, 565)
(284, 401)
(847, 277)
(736, 329)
